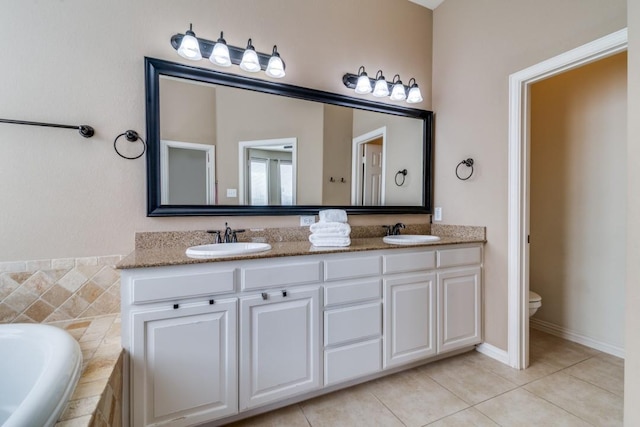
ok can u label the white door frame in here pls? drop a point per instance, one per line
(210, 171)
(356, 153)
(519, 170)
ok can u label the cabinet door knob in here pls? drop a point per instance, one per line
(264, 295)
(212, 301)
(176, 306)
(284, 293)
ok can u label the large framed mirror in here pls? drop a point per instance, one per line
(225, 144)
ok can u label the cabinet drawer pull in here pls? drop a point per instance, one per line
(284, 293)
(212, 301)
(176, 306)
(264, 295)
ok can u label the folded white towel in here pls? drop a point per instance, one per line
(333, 215)
(329, 241)
(339, 228)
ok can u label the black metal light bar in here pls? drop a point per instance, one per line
(85, 130)
(235, 53)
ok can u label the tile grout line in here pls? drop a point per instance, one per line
(388, 409)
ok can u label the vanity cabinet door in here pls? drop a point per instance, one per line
(459, 317)
(279, 345)
(184, 364)
(409, 318)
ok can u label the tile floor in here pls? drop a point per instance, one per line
(566, 384)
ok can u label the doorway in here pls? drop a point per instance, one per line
(519, 177)
(368, 176)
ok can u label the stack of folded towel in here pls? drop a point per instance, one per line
(331, 230)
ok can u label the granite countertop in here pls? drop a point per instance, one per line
(175, 255)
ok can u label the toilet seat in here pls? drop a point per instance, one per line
(535, 300)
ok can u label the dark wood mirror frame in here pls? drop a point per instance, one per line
(154, 68)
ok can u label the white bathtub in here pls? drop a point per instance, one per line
(39, 368)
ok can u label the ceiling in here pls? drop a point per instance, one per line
(429, 4)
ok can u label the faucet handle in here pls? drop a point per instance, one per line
(217, 238)
(234, 239)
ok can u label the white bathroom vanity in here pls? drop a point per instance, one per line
(221, 340)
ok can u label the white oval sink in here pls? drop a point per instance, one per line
(226, 249)
(410, 239)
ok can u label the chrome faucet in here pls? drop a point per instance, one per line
(230, 236)
(395, 230)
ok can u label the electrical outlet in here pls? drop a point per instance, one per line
(307, 220)
(437, 214)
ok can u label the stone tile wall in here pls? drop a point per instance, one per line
(59, 289)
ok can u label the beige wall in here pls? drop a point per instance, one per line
(578, 199)
(632, 337)
(477, 45)
(336, 160)
(188, 112)
(81, 61)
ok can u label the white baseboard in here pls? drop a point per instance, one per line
(493, 352)
(570, 335)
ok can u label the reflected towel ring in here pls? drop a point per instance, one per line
(468, 163)
(403, 172)
(131, 136)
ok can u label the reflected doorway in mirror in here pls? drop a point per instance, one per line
(267, 172)
(188, 173)
(368, 168)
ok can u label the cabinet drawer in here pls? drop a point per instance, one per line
(462, 256)
(351, 268)
(148, 289)
(342, 293)
(406, 262)
(352, 361)
(281, 275)
(352, 323)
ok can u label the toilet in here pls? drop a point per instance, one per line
(535, 302)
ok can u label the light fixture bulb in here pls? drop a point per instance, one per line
(250, 60)
(275, 67)
(398, 91)
(189, 46)
(414, 95)
(363, 85)
(220, 54)
(381, 88)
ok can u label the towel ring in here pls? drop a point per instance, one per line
(403, 172)
(131, 136)
(468, 163)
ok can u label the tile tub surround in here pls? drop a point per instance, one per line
(168, 248)
(59, 289)
(97, 399)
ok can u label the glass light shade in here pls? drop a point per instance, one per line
(414, 95)
(275, 68)
(363, 85)
(189, 47)
(250, 61)
(381, 88)
(220, 55)
(398, 93)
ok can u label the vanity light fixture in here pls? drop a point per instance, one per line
(380, 87)
(398, 92)
(414, 95)
(189, 47)
(250, 60)
(364, 84)
(222, 54)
